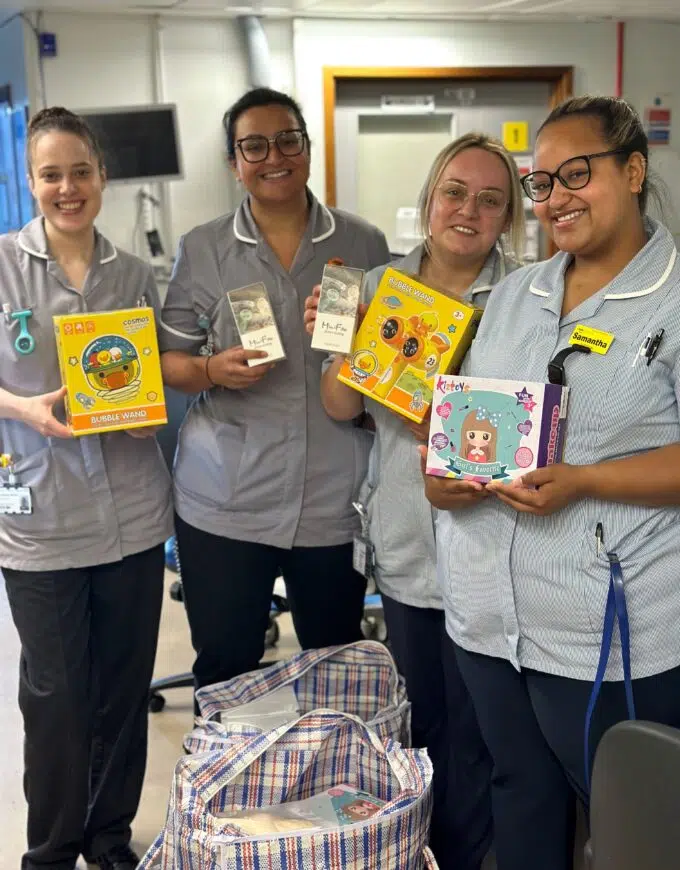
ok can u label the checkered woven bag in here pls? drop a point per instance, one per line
(295, 761)
(360, 679)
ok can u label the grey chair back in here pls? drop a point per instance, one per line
(635, 799)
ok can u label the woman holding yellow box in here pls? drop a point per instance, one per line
(82, 521)
(471, 197)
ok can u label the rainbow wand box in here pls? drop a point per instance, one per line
(110, 366)
(486, 429)
(409, 332)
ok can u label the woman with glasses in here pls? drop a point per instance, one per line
(261, 477)
(536, 573)
(471, 198)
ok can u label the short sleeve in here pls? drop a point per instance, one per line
(379, 252)
(152, 298)
(179, 321)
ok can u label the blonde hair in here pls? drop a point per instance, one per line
(515, 211)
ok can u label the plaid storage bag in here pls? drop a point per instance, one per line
(360, 679)
(295, 761)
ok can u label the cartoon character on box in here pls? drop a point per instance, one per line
(483, 434)
(479, 436)
(353, 807)
(416, 342)
(112, 368)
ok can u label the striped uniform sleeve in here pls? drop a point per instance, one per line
(180, 329)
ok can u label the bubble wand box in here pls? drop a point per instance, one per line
(410, 331)
(486, 429)
(110, 365)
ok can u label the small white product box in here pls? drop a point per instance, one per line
(255, 322)
(336, 316)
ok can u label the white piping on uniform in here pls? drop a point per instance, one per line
(40, 254)
(330, 231)
(633, 293)
(110, 259)
(186, 335)
(662, 280)
(46, 256)
(503, 267)
(239, 235)
(325, 235)
(483, 289)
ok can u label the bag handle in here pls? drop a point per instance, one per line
(152, 857)
(301, 664)
(429, 859)
(220, 768)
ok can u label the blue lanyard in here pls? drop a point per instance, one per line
(615, 609)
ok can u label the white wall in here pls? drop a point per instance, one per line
(589, 48)
(203, 70)
(12, 69)
(107, 60)
(652, 69)
(102, 61)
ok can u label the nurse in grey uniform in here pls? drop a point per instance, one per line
(471, 198)
(531, 571)
(264, 480)
(84, 570)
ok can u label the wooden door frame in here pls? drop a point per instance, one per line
(561, 78)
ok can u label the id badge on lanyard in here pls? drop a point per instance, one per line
(363, 553)
(14, 499)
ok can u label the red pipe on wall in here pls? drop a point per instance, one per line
(620, 36)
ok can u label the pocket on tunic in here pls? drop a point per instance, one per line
(208, 459)
(37, 472)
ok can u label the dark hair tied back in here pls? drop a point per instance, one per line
(253, 99)
(621, 129)
(61, 120)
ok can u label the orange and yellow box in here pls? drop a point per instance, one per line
(110, 365)
(410, 332)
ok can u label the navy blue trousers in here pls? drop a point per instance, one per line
(533, 725)
(444, 722)
(228, 587)
(88, 644)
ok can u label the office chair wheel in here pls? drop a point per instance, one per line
(176, 591)
(272, 634)
(156, 702)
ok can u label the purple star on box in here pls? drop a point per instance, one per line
(524, 396)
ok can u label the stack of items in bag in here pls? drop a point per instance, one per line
(277, 781)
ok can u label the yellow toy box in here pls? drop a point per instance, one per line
(111, 368)
(409, 333)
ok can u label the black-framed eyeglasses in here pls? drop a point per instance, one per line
(255, 148)
(573, 174)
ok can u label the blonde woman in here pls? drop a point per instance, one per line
(471, 199)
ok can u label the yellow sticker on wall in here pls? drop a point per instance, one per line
(597, 340)
(516, 135)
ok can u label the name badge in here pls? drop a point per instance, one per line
(594, 339)
(15, 500)
(363, 557)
